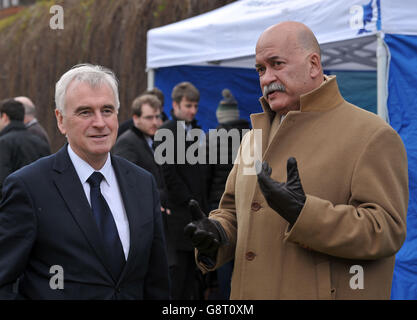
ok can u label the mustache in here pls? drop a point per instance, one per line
(274, 86)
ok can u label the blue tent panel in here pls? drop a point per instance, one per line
(358, 88)
(402, 105)
(210, 81)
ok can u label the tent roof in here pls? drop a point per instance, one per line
(230, 32)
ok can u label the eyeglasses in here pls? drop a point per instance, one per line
(150, 118)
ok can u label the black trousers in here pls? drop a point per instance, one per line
(186, 278)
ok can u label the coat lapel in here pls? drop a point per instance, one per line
(145, 146)
(261, 121)
(70, 188)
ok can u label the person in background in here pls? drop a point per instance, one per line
(126, 125)
(184, 182)
(136, 144)
(18, 147)
(232, 127)
(324, 214)
(160, 95)
(30, 121)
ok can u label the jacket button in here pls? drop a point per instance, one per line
(250, 255)
(255, 206)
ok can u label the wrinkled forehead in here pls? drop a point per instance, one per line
(278, 33)
(82, 85)
(82, 92)
(277, 42)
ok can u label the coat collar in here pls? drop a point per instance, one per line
(193, 123)
(141, 136)
(323, 98)
(13, 126)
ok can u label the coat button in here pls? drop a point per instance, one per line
(255, 206)
(250, 255)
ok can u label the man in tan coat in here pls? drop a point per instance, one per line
(326, 213)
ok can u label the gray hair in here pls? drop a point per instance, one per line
(94, 75)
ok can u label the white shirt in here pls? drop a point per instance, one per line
(110, 191)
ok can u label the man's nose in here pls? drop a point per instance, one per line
(268, 77)
(155, 120)
(98, 120)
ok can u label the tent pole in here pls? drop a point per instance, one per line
(151, 79)
(381, 54)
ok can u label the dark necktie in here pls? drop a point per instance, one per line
(106, 224)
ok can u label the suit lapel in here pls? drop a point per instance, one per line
(69, 186)
(142, 140)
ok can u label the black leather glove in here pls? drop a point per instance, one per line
(206, 234)
(286, 198)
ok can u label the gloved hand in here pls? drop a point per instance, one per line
(286, 198)
(203, 232)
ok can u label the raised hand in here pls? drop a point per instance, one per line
(286, 198)
(203, 232)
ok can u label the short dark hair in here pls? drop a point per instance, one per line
(14, 109)
(156, 92)
(185, 89)
(150, 99)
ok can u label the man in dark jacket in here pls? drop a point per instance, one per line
(136, 143)
(30, 121)
(234, 128)
(18, 147)
(226, 142)
(126, 125)
(184, 181)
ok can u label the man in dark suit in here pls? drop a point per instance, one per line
(82, 224)
(126, 125)
(136, 144)
(184, 181)
(18, 147)
(30, 121)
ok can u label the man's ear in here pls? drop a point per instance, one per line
(135, 119)
(175, 107)
(315, 65)
(60, 121)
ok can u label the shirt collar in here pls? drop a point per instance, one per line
(84, 170)
(31, 122)
(149, 140)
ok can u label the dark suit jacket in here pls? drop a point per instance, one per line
(45, 220)
(18, 148)
(37, 129)
(133, 146)
(183, 182)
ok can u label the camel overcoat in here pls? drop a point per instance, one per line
(353, 168)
